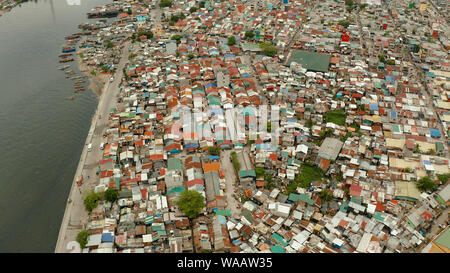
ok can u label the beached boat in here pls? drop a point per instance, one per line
(64, 67)
(66, 60)
(65, 55)
(79, 90)
(68, 49)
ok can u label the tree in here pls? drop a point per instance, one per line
(165, 3)
(177, 37)
(202, 4)
(325, 196)
(91, 200)
(214, 150)
(191, 203)
(111, 195)
(231, 40)
(193, 9)
(443, 177)
(269, 127)
(109, 44)
(426, 184)
(129, 11)
(260, 172)
(344, 23)
(82, 238)
(268, 49)
(249, 34)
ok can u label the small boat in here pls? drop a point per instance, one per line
(73, 36)
(65, 55)
(68, 49)
(72, 97)
(66, 60)
(64, 67)
(79, 89)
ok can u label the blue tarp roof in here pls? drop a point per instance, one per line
(435, 133)
(210, 85)
(393, 114)
(107, 237)
(373, 107)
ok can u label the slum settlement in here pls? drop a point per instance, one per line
(355, 161)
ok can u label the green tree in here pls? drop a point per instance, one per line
(235, 161)
(82, 238)
(443, 177)
(231, 40)
(111, 195)
(260, 172)
(91, 200)
(268, 49)
(109, 44)
(214, 150)
(426, 184)
(325, 196)
(177, 38)
(129, 11)
(202, 4)
(191, 203)
(165, 3)
(344, 23)
(249, 34)
(269, 127)
(193, 9)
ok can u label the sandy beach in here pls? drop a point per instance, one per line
(75, 216)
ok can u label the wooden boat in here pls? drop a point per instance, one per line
(65, 55)
(66, 60)
(79, 89)
(68, 49)
(64, 67)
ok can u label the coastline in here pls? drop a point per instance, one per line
(97, 82)
(75, 216)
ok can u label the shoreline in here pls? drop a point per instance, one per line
(75, 206)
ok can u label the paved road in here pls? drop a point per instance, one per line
(231, 187)
(75, 217)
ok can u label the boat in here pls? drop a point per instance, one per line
(79, 90)
(73, 36)
(68, 49)
(65, 55)
(66, 60)
(64, 67)
(72, 97)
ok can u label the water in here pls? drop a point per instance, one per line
(42, 132)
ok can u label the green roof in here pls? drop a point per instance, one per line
(247, 173)
(277, 249)
(280, 239)
(444, 239)
(174, 164)
(310, 60)
(224, 212)
(303, 197)
(176, 189)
